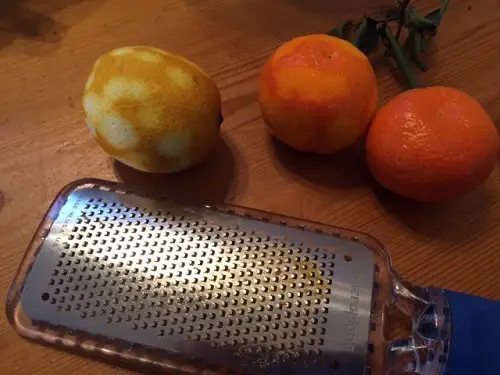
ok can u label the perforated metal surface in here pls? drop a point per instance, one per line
(226, 289)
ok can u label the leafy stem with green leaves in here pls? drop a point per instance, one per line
(419, 29)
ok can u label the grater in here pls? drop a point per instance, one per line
(208, 290)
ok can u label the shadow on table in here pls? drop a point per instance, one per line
(207, 183)
(455, 221)
(34, 20)
(344, 170)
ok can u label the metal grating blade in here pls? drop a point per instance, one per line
(229, 290)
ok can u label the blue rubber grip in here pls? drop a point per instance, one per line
(475, 338)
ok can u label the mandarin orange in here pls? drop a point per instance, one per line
(432, 144)
(318, 93)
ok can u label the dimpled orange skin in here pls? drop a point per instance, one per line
(432, 144)
(317, 94)
(152, 110)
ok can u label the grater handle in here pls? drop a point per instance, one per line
(475, 337)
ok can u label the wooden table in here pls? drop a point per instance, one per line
(47, 48)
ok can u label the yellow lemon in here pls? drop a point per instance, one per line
(152, 110)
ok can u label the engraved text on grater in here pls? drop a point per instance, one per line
(352, 321)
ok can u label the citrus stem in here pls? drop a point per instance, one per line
(445, 5)
(401, 59)
(359, 34)
(404, 5)
(416, 49)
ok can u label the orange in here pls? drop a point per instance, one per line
(432, 144)
(152, 110)
(317, 94)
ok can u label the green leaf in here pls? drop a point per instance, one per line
(340, 32)
(415, 53)
(408, 14)
(421, 28)
(423, 43)
(334, 32)
(399, 56)
(434, 17)
(368, 40)
(413, 47)
(359, 34)
(419, 21)
(444, 6)
(419, 43)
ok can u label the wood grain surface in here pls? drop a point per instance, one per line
(46, 51)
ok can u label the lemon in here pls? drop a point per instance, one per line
(152, 110)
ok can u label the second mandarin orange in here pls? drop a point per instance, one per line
(432, 144)
(318, 93)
